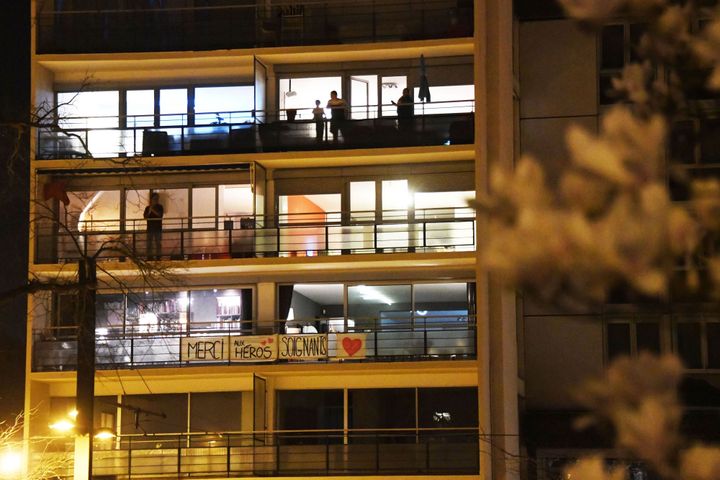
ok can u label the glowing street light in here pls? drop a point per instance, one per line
(11, 464)
(62, 426)
(104, 434)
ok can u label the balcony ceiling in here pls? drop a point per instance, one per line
(178, 67)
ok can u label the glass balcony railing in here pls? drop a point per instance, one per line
(200, 238)
(424, 451)
(439, 123)
(89, 26)
(415, 338)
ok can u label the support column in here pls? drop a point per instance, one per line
(496, 320)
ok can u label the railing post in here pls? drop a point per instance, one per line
(182, 238)
(427, 456)
(377, 449)
(424, 238)
(327, 456)
(277, 456)
(129, 467)
(327, 239)
(375, 339)
(179, 455)
(227, 451)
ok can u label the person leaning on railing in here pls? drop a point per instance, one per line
(153, 214)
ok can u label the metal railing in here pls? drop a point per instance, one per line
(415, 338)
(423, 451)
(92, 27)
(421, 230)
(436, 123)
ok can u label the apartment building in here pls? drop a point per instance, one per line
(288, 283)
(565, 79)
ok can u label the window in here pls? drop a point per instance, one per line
(632, 335)
(697, 340)
(381, 408)
(98, 109)
(157, 413)
(216, 412)
(310, 410)
(390, 90)
(300, 94)
(431, 306)
(218, 105)
(618, 47)
(224, 310)
(447, 99)
(173, 101)
(447, 407)
(140, 108)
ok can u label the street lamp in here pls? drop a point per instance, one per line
(11, 463)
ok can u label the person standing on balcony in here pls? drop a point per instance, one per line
(153, 214)
(338, 115)
(405, 110)
(319, 118)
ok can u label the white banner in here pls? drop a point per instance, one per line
(351, 345)
(203, 349)
(259, 348)
(302, 347)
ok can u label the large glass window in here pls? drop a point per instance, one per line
(203, 207)
(153, 312)
(173, 101)
(312, 307)
(380, 306)
(97, 109)
(447, 99)
(157, 413)
(300, 94)
(234, 200)
(109, 313)
(391, 89)
(218, 105)
(92, 211)
(447, 407)
(215, 412)
(381, 408)
(362, 201)
(310, 410)
(140, 108)
(440, 305)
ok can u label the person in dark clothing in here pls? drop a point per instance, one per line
(405, 111)
(338, 114)
(153, 214)
(319, 119)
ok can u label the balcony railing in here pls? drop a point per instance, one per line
(341, 233)
(252, 132)
(92, 27)
(415, 338)
(451, 451)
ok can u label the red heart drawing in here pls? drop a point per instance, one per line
(262, 343)
(270, 340)
(351, 346)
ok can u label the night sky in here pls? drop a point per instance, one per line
(14, 107)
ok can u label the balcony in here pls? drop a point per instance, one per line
(90, 27)
(200, 238)
(416, 338)
(245, 132)
(451, 451)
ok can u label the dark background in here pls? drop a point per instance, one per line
(14, 108)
